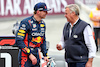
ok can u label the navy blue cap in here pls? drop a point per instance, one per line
(41, 7)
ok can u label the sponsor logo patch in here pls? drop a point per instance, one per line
(21, 34)
(23, 25)
(37, 39)
(37, 34)
(75, 36)
(20, 37)
(34, 29)
(31, 21)
(42, 29)
(22, 28)
(34, 25)
(27, 50)
(22, 31)
(42, 25)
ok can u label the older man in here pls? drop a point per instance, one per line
(77, 39)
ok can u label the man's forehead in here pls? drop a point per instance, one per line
(67, 9)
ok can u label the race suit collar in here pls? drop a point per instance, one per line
(36, 20)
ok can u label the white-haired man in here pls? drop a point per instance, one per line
(77, 39)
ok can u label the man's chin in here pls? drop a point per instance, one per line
(43, 17)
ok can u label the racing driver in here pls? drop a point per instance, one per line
(31, 36)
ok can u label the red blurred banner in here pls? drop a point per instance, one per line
(21, 8)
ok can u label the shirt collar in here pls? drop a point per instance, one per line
(34, 18)
(75, 22)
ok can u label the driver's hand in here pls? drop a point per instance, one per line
(33, 59)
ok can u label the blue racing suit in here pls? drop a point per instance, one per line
(29, 37)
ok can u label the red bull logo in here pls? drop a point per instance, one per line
(45, 7)
(37, 39)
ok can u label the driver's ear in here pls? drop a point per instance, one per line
(38, 11)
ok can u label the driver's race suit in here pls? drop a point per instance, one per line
(29, 37)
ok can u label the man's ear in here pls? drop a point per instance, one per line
(73, 13)
(38, 11)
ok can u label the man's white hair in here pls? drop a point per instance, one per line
(73, 8)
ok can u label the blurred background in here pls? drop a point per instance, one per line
(12, 11)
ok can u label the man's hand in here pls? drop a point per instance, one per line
(89, 62)
(33, 59)
(46, 59)
(59, 47)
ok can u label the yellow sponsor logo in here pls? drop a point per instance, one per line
(38, 39)
(21, 34)
(22, 31)
(42, 25)
(28, 50)
(47, 54)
